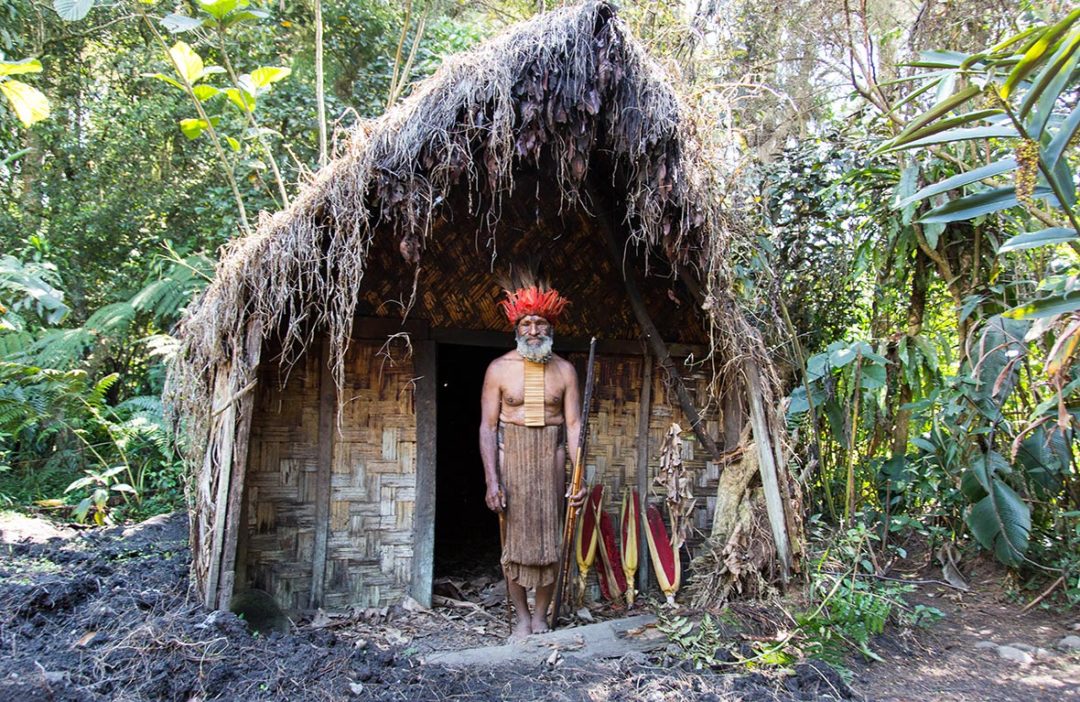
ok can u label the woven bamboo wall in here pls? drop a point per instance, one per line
(613, 442)
(278, 531)
(372, 484)
(373, 478)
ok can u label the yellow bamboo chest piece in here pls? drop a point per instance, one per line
(534, 393)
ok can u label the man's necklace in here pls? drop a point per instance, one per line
(534, 393)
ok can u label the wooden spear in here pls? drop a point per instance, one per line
(575, 485)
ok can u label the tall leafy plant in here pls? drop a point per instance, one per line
(56, 420)
(1005, 116)
(1010, 101)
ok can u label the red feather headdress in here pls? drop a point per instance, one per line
(532, 300)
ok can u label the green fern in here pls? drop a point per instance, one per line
(96, 397)
(59, 348)
(165, 298)
(161, 301)
(14, 342)
(146, 405)
(113, 319)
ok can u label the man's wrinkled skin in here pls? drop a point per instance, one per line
(503, 400)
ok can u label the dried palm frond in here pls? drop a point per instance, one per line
(665, 559)
(588, 535)
(631, 517)
(612, 579)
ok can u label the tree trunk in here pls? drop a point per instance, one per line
(920, 281)
(320, 96)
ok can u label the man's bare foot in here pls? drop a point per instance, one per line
(539, 626)
(521, 631)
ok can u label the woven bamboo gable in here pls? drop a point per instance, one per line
(459, 278)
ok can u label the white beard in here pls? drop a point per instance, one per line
(536, 354)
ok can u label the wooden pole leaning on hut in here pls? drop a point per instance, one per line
(771, 456)
(657, 345)
(570, 523)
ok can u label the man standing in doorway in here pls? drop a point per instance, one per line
(530, 407)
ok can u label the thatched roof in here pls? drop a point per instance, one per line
(570, 91)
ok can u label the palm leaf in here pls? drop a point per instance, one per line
(1035, 53)
(1001, 522)
(1043, 237)
(972, 206)
(1051, 81)
(992, 169)
(1062, 138)
(943, 107)
(963, 134)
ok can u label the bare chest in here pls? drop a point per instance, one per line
(513, 394)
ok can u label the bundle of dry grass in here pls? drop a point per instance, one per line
(570, 87)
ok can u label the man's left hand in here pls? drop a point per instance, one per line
(578, 498)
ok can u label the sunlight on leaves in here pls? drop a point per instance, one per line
(12, 68)
(73, 10)
(30, 104)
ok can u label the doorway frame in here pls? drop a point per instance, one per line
(425, 342)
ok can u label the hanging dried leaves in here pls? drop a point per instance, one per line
(676, 485)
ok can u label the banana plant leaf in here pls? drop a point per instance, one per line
(1001, 522)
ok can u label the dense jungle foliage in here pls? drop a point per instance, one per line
(904, 172)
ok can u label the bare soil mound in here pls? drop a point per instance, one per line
(107, 615)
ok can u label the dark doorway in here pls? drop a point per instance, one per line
(466, 531)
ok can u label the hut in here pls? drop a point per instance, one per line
(328, 380)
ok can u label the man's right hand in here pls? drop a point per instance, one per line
(495, 498)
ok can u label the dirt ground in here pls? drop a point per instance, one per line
(958, 659)
(107, 615)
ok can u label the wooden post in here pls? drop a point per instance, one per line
(242, 405)
(644, 561)
(220, 444)
(243, 538)
(734, 418)
(768, 466)
(327, 412)
(424, 365)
